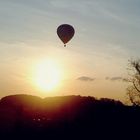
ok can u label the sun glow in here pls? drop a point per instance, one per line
(47, 75)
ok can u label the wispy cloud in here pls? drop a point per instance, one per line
(116, 78)
(86, 78)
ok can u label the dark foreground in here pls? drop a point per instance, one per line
(69, 117)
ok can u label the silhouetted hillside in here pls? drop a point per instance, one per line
(67, 117)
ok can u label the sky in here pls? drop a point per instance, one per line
(93, 63)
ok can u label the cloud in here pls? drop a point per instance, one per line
(86, 79)
(117, 78)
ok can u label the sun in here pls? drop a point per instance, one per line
(47, 75)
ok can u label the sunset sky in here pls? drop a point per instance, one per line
(93, 63)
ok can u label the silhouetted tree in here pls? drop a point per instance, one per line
(133, 90)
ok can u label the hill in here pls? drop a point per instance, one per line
(67, 117)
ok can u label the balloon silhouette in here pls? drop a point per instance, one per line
(65, 32)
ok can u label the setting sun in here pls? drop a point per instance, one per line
(47, 75)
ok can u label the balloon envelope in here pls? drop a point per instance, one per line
(65, 32)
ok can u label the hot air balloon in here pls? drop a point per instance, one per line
(65, 32)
